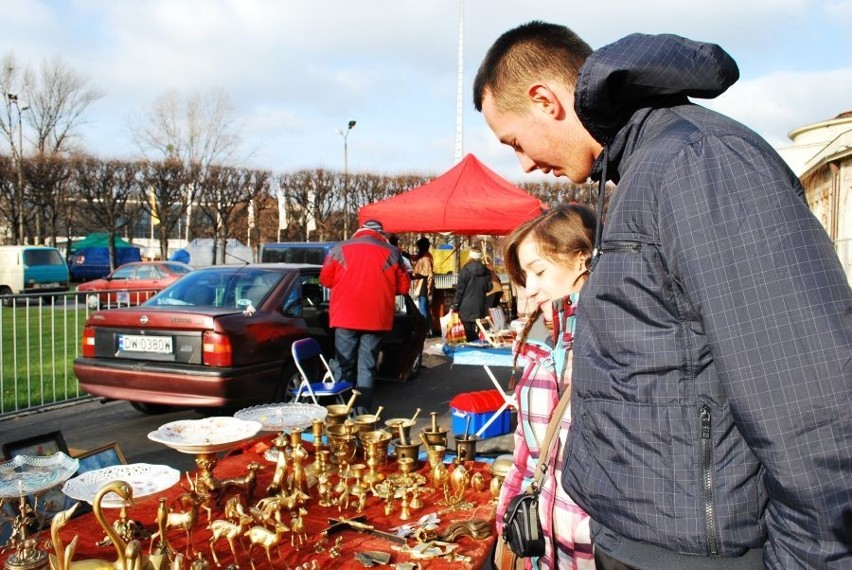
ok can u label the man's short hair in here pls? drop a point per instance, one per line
(535, 50)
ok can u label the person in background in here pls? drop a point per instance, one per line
(469, 300)
(423, 282)
(393, 239)
(364, 275)
(713, 354)
(548, 256)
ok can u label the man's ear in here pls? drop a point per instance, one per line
(544, 99)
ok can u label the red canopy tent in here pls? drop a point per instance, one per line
(468, 199)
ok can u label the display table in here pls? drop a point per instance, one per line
(486, 356)
(317, 550)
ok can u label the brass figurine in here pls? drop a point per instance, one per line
(230, 531)
(246, 484)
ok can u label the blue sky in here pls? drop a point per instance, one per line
(298, 71)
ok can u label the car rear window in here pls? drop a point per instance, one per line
(230, 287)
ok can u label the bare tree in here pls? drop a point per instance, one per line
(553, 192)
(267, 223)
(198, 130)
(106, 187)
(165, 194)
(14, 81)
(226, 193)
(8, 189)
(51, 103)
(311, 199)
(46, 176)
(57, 106)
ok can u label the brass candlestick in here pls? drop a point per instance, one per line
(404, 511)
(317, 466)
(27, 555)
(372, 476)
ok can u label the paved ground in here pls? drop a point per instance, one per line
(92, 423)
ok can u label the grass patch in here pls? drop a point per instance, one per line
(38, 344)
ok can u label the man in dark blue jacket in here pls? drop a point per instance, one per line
(712, 372)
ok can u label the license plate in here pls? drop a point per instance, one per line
(145, 343)
(46, 285)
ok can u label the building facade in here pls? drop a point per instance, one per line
(821, 156)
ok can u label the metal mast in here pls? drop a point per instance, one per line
(459, 87)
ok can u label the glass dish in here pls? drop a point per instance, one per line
(283, 417)
(30, 474)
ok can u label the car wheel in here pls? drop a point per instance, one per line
(151, 409)
(415, 366)
(93, 302)
(7, 296)
(289, 381)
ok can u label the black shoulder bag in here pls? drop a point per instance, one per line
(521, 524)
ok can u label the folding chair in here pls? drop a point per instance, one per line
(308, 351)
(494, 329)
(498, 317)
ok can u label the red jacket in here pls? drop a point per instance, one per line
(364, 274)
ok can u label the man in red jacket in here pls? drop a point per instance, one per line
(364, 274)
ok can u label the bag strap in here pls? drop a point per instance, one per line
(552, 427)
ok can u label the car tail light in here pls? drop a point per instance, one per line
(217, 350)
(89, 341)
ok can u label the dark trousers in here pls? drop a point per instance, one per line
(471, 331)
(357, 353)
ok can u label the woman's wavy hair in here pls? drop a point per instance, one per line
(559, 233)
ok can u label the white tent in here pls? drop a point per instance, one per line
(200, 253)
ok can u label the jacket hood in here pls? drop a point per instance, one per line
(642, 70)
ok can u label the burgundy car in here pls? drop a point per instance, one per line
(221, 337)
(132, 283)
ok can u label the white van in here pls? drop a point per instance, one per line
(31, 269)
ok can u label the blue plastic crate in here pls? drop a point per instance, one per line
(499, 426)
(479, 406)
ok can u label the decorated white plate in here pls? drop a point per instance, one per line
(31, 474)
(207, 435)
(283, 417)
(145, 479)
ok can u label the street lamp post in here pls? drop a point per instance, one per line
(12, 99)
(345, 135)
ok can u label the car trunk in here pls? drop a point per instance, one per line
(136, 334)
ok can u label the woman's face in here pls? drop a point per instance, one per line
(548, 280)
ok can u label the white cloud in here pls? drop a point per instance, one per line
(298, 71)
(778, 103)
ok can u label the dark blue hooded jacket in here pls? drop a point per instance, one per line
(711, 381)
